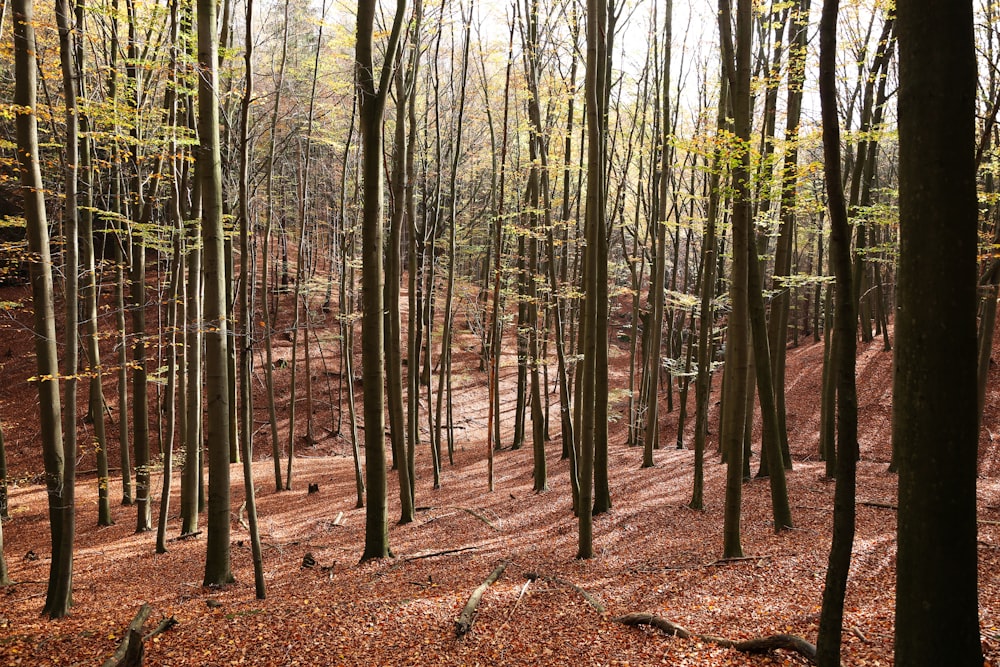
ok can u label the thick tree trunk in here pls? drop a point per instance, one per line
(935, 426)
(217, 563)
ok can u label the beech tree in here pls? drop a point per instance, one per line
(935, 422)
(372, 97)
(844, 352)
(736, 56)
(58, 596)
(590, 395)
(209, 164)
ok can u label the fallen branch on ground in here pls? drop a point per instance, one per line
(130, 650)
(755, 645)
(875, 503)
(468, 616)
(738, 559)
(446, 552)
(184, 536)
(243, 522)
(162, 627)
(587, 595)
(469, 510)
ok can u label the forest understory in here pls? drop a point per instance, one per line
(652, 553)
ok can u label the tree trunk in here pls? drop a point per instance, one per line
(217, 563)
(62, 558)
(58, 598)
(652, 367)
(372, 106)
(934, 390)
(845, 353)
(246, 313)
(737, 59)
(90, 293)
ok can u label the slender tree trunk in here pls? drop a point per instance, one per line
(265, 289)
(90, 293)
(737, 58)
(4, 513)
(58, 598)
(60, 595)
(173, 308)
(652, 402)
(4, 578)
(393, 319)
(246, 313)
(778, 323)
(706, 323)
(372, 101)
(831, 617)
(597, 21)
(415, 310)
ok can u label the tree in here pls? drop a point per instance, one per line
(59, 594)
(209, 165)
(371, 100)
(935, 424)
(4, 579)
(246, 312)
(651, 435)
(90, 292)
(737, 61)
(590, 332)
(844, 354)
(71, 283)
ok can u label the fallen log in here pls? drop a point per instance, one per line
(468, 616)
(755, 645)
(130, 650)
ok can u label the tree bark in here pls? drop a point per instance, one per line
(372, 101)
(59, 595)
(845, 353)
(209, 164)
(935, 425)
(737, 59)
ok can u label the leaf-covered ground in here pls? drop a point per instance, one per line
(653, 554)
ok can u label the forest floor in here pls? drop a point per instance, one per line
(652, 553)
